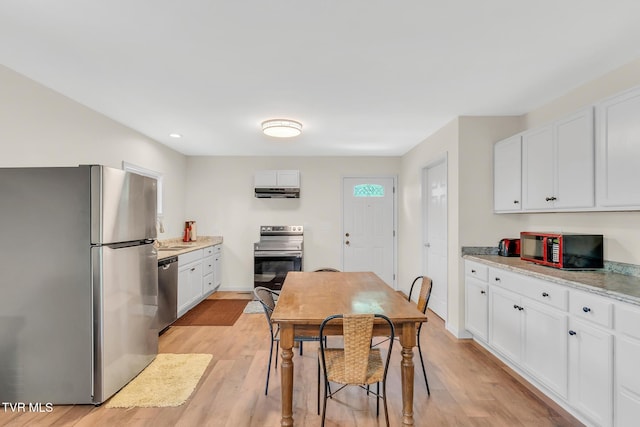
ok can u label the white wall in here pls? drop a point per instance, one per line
(220, 198)
(39, 127)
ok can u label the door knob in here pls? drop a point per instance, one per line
(346, 243)
(346, 235)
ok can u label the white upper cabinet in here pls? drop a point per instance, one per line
(618, 151)
(277, 178)
(537, 168)
(575, 166)
(507, 165)
(558, 164)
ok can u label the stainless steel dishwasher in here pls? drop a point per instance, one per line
(167, 292)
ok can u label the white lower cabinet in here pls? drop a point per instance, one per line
(531, 335)
(476, 307)
(198, 276)
(627, 351)
(562, 339)
(545, 345)
(591, 371)
(189, 285)
(505, 323)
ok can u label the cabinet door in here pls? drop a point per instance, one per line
(477, 308)
(184, 292)
(575, 168)
(591, 371)
(266, 178)
(505, 323)
(627, 394)
(618, 151)
(538, 169)
(628, 382)
(507, 172)
(195, 282)
(545, 345)
(288, 178)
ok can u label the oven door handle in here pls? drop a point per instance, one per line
(272, 254)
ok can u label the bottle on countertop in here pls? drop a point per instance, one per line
(192, 233)
(187, 232)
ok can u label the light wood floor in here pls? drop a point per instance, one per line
(469, 387)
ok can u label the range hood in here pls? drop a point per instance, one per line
(278, 192)
(281, 184)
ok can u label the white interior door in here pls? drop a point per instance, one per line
(435, 238)
(368, 226)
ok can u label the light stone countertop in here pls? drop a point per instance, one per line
(613, 285)
(201, 242)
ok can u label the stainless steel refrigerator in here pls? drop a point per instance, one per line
(78, 282)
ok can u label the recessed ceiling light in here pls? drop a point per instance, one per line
(175, 135)
(281, 128)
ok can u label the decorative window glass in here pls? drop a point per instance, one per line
(368, 190)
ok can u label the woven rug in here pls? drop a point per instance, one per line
(213, 312)
(253, 307)
(168, 381)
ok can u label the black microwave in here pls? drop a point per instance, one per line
(563, 250)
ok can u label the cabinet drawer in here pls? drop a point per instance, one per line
(208, 285)
(477, 270)
(627, 320)
(207, 265)
(504, 279)
(208, 251)
(545, 292)
(591, 307)
(190, 257)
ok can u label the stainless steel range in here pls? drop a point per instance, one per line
(279, 251)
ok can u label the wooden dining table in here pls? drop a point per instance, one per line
(307, 298)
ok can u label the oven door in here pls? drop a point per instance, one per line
(270, 268)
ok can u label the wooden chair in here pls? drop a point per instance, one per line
(423, 301)
(357, 363)
(267, 299)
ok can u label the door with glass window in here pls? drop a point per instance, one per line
(368, 226)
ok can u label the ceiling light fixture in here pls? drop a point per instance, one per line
(175, 135)
(281, 128)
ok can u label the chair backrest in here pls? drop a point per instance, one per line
(265, 297)
(328, 270)
(425, 292)
(357, 331)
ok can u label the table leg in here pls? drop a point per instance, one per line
(286, 372)
(408, 341)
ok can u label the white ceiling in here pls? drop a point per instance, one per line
(365, 77)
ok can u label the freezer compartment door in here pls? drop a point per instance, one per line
(123, 206)
(125, 294)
